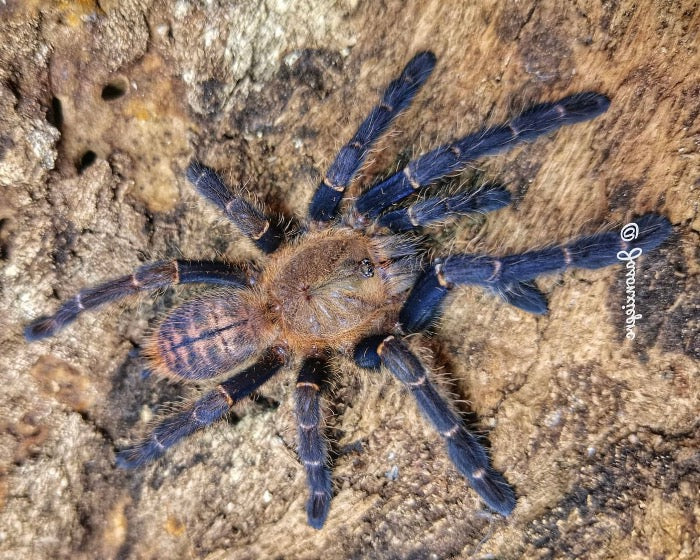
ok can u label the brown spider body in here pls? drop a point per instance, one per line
(329, 289)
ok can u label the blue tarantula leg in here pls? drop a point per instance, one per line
(450, 158)
(150, 276)
(591, 252)
(464, 450)
(251, 222)
(312, 448)
(203, 412)
(397, 96)
(440, 208)
(508, 276)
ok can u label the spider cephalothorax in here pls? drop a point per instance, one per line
(347, 282)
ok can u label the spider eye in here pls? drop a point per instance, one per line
(366, 268)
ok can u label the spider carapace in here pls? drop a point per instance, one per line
(333, 288)
(352, 280)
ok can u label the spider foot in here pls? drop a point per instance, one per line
(317, 507)
(134, 457)
(653, 231)
(48, 325)
(523, 296)
(42, 327)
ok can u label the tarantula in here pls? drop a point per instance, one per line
(354, 282)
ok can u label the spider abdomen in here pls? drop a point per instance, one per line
(208, 336)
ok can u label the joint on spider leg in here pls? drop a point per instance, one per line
(264, 227)
(156, 275)
(324, 203)
(224, 393)
(438, 209)
(604, 249)
(314, 371)
(547, 117)
(243, 214)
(497, 266)
(473, 269)
(365, 353)
(415, 185)
(271, 238)
(568, 259)
(209, 184)
(318, 504)
(141, 454)
(451, 432)
(172, 429)
(595, 251)
(583, 106)
(195, 172)
(254, 224)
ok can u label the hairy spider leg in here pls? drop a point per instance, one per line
(508, 276)
(397, 97)
(152, 276)
(313, 452)
(204, 411)
(437, 209)
(464, 450)
(450, 158)
(251, 222)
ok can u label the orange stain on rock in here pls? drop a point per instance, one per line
(61, 381)
(174, 527)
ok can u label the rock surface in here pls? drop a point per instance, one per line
(102, 105)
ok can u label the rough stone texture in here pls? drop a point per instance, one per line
(102, 104)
